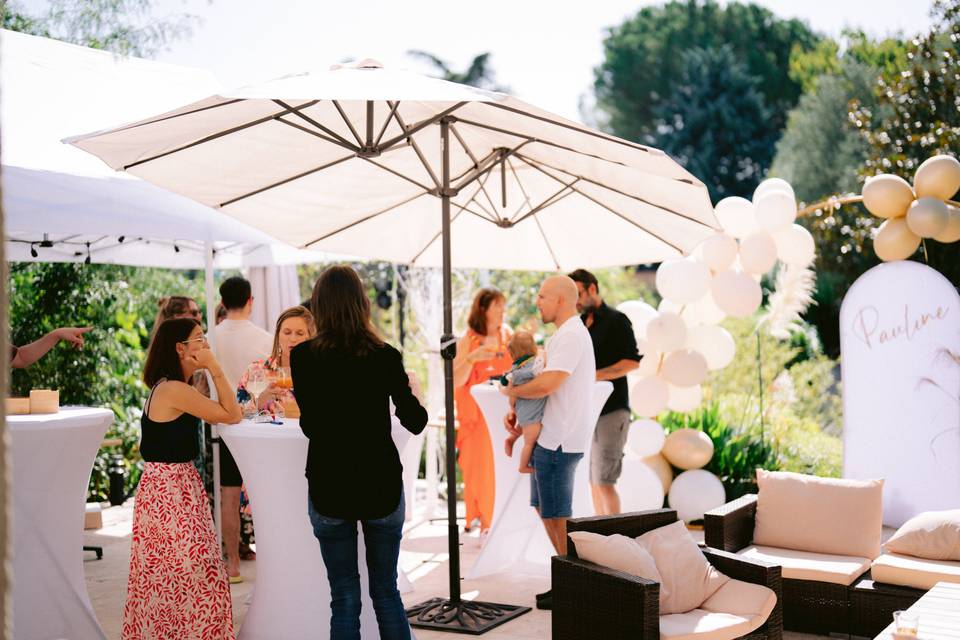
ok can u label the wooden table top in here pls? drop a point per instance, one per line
(939, 612)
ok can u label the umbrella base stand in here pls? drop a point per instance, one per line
(465, 616)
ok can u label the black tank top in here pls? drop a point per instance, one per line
(171, 441)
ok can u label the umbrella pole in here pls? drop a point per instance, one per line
(453, 613)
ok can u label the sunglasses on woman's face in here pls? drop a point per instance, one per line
(200, 339)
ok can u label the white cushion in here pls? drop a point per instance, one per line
(736, 609)
(617, 552)
(687, 579)
(934, 535)
(805, 565)
(893, 568)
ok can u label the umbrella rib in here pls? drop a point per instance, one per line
(348, 123)
(492, 217)
(214, 136)
(565, 191)
(497, 155)
(543, 233)
(318, 135)
(280, 183)
(452, 220)
(178, 115)
(346, 143)
(386, 123)
(362, 220)
(535, 164)
(526, 196)
(463, 144)
(416, 149)
(541, 141)
(595, 134)
(420, 125)
(608, 208)
(425, 188)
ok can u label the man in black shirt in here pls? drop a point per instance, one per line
(615, 351)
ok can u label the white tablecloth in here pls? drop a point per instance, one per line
(291, 600)
(518, 542)
(52, 457)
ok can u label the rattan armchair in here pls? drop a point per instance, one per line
(591, 601)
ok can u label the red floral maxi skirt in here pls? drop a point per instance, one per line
(177, 588)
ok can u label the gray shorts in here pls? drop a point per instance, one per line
(609, 439)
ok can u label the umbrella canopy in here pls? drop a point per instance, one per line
(342, 160)
(57, 193)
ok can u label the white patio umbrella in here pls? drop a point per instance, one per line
(357, 159)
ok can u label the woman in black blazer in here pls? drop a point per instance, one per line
(344, 379)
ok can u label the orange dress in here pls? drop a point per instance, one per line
(473, 438)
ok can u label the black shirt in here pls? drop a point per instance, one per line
(613, 341)
(170, 441)
(353, 468)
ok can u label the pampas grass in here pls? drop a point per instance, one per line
(792, 296)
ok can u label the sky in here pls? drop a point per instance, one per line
(545, 52)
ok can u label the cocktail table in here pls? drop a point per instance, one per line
(939, 611)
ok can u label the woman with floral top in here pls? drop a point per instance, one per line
(295, 325)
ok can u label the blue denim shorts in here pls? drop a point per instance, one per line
(551, 483)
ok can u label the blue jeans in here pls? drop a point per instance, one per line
(338, 546)
(551, 483)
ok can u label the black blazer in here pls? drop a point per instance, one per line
(353, 468)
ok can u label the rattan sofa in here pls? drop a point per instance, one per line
(591, 601)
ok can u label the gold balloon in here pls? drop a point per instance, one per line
(688, 448)
(927, 217)
(938, 177)
(952, 231)
(895, 241)
(662, 468)
(887, 196)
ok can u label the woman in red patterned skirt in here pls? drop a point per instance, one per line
(177, 588)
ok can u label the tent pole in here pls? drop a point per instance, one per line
(453, 613)
(215, 435)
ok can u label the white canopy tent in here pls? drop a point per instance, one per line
(61, 205)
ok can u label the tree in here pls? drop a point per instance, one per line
(478, 74)
(643, 57)
(126, 27)
(715, 122)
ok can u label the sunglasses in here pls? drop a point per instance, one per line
(200, 339)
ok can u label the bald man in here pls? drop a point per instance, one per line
(567, 381)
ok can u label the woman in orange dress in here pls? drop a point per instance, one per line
(481, 353)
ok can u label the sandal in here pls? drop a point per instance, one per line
(248, 554)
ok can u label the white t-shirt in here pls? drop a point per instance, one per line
(566, 420)
(237, 343)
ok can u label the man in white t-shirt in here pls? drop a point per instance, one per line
(237, 342)
(567, 379)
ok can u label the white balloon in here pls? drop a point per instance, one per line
(684, 368)
(952, 232)
(704, 311)
(649, 396)
(695, 492)
(639, 486)
(649, 364)
(715, 343)
(895, 241)
(776, 210)
(928, 217)
(772, 184)
(666, 332)
(645, 437)
(758, 253)
(887, 196)
(718, 251)
(638, 311)
(737, 294)
(795, 246)
(736, 216)
(938, 177)
(683, 281)
(683, 399)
